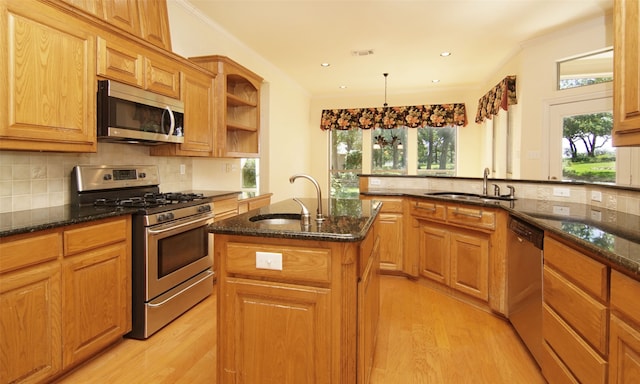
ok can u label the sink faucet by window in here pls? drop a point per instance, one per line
(485, 178)
(319, 216)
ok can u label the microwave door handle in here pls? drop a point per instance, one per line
(172, 127)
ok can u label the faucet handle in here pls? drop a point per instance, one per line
(496, 189)
(305, 216)
(512, 191)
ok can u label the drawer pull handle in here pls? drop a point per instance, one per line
(425, 208)
(478, 215)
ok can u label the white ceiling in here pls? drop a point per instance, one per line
(406, 36)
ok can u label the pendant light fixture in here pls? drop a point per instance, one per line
(385, 89)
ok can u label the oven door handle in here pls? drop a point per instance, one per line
(180, 226)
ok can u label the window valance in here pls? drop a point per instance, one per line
(501, 96)
(416, 116)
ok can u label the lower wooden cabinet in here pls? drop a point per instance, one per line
(624, 336)
(455, 258)
(575, 315)
(391, 231)
(96, 301)
(368, 305)
(65, 294)
(30, 324)
(285, 332)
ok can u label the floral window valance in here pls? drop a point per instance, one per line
(501, 96)
(416, 116)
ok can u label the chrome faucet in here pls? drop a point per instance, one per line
(485, 178)
(319, 216)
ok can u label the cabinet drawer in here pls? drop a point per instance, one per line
(582, 270)
(625, 292)
(554, 369)
(471, 216)
(298, 264)
(584, 362)
(428, 210)
(391, 205)
(162, 76)
(94, 236)
(586, 315)
(225, 206)
(21, 251)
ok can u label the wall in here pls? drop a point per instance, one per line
(285, 138)
(535, 67)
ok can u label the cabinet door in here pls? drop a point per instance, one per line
(120, 60)
(154, 23)
(199, 118)
(123, 14)
(390, 228)
(162, 76)
(624, 352)
(48, 96)
(96, 300)
(94, 7)
(275, 333)
(470, 264)
(434, 253)
(30, 321)
(626, 106)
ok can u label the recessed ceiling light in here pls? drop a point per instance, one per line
(343, 87)
(445, 54)
(435, 81)
(325, 65)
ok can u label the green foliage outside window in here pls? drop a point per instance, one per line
(437, 151)
(588, 155)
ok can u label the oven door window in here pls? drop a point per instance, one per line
(180, 250)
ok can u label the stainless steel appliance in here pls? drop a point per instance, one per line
(524, 282)
(172, 251)
(133, 115)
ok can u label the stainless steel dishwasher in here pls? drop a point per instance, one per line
(524, 282)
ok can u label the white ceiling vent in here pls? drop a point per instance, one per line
(364, 52)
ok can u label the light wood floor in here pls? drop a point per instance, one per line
(424, 337)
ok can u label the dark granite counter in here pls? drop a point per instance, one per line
(14, 223)
(613, 236)
(347, 220)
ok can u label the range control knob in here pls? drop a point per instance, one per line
(204, 208)
(107, 177)
(165, 217)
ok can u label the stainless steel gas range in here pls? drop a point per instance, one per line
(172, 252)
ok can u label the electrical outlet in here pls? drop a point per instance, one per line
(596, 215)
(375, 181)
(560, 210)
(564, 192)
(269, 260)
(596, 195)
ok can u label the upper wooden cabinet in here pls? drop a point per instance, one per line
(626, 106)
(125, 61)
(154, 22)
(237, 107)
(47, 68)
(147, 19)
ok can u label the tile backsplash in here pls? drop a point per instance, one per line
(615, 199)
(30, 180)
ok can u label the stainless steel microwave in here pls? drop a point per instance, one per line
(132, 115)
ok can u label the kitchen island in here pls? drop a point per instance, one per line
(297, 304)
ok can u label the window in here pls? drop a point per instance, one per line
(250, 175)
(346, 163)
(437, 151)
(581, 141)
(388, 153)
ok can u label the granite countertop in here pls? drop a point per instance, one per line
(347, 220)
(613, 236)
(32, 220)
